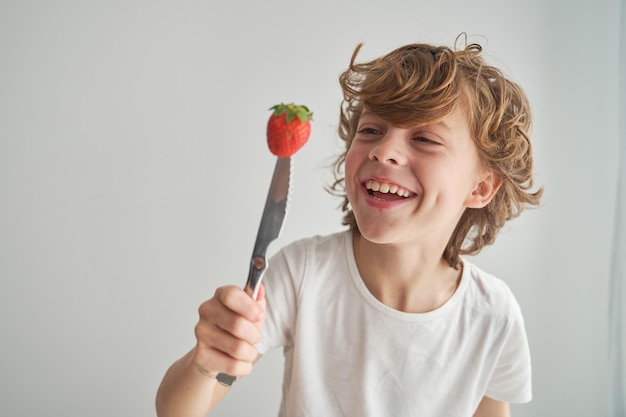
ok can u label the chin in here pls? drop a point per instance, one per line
(377, 235)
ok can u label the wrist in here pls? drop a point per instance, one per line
(195, 367)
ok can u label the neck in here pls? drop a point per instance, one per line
(409, 279)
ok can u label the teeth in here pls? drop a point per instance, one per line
(386, 188)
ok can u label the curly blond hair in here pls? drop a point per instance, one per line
(422, 83)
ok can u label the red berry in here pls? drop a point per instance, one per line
(288, 129)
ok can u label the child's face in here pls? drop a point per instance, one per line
(411, 185)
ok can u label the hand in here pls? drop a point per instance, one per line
(229, 327)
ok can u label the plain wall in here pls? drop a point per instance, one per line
(134, 168)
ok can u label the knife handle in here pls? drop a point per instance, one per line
(257, 267)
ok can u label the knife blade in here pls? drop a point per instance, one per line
(269, 229)
(271, 222)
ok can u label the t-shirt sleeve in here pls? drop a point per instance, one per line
(511, 377)
(281, 291)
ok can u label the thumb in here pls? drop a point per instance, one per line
(261, 293)
(260, 297)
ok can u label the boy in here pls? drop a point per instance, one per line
(386, 318)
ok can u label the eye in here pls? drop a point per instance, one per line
(426, 140)
(369, 130)
(366, 130)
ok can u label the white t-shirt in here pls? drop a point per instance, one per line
(347, 354)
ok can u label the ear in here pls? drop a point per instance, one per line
(484, 191)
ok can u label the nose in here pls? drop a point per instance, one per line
(390, 149)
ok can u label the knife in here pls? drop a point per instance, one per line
(269, 229)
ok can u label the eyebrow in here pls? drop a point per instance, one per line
(442, 124)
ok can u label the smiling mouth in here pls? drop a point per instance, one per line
(385, 191)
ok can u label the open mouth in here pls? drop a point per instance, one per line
(386, 191)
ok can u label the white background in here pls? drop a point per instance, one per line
(133, 171)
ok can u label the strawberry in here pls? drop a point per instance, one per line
(288, 129)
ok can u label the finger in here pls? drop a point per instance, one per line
(224, 342)
(237, 300)
(216, 319)
(210, 362)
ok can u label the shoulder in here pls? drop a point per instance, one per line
(499, 317)
(489, 294)
(324, 246)
(313, 253)
(321, 240)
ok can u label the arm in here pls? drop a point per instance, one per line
(489, 407)
(184, 390)
(228, 329)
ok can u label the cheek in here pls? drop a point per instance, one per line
(445, 181)
(350, 169)
(350, 165)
